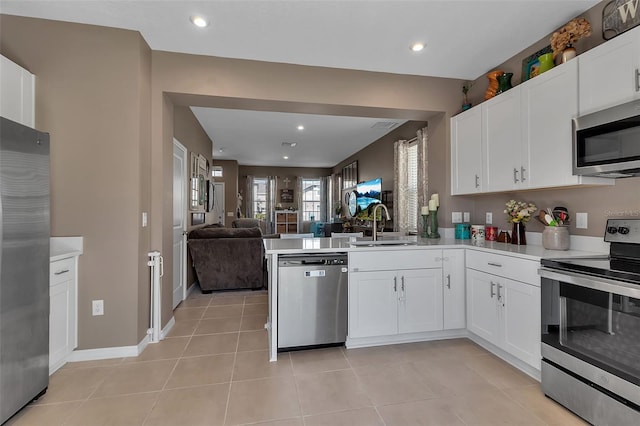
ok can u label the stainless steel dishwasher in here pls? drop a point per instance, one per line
(312, 300)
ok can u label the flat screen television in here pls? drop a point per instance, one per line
(367, 193)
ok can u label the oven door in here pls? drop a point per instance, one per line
(607, 143)
(595, 320)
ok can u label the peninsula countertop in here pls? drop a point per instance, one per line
(333, 245)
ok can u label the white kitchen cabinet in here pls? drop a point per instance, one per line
(453, 289)
(609, 74)
(17, 93)
(502, 310)
(502, 138)
(466, 152)
(63, 331)
(394, 292)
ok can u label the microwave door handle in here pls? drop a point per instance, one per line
(637, 80)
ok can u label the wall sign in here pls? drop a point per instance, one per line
(286, 195)
(619, 16)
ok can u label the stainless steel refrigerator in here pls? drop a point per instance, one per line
(24, 266)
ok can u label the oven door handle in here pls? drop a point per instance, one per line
(606, 285)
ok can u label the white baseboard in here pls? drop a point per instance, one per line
(395, 339)
(167, 328)
(108, 353)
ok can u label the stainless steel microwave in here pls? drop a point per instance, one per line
(607, 143)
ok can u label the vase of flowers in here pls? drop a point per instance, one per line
(465, 101)
(564, 39)
(518, 213)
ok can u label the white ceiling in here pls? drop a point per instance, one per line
(464, 40)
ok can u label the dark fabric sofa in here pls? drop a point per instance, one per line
(228, 258)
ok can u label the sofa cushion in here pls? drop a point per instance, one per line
(246, 223)
(203, 233)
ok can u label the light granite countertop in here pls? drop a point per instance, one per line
(64, 247)
(333, 245)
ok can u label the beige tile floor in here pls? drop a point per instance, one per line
(213, 369)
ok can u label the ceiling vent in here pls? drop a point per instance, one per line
(384, 125)
(289, 144)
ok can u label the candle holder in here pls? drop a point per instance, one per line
(433, 224)
(425, 231)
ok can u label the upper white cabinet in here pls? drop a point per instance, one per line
(502, 130)
(17, 93)
(466, 152)
(610, 73)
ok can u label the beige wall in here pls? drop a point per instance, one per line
(623, 199)
(92, 96)
(230, 180)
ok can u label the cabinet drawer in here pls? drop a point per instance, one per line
(505, 266)
(61, 271)
(394, 260)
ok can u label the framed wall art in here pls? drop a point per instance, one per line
(531, 64)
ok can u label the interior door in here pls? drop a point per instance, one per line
(218, 203)
(179, 221)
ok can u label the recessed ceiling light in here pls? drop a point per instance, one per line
(286, 157)
(301, 127)
(199, 21)
(416, 47)
(289, 144)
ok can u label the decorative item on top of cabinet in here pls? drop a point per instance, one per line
(568, 35)
(504, 82)
(493, 83)
(531, 64)
(546, 62)
(619, 16)
(465, 90)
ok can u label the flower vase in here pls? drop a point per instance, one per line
(546, 62)
(493, 84)
(504, 82)
(568, 53)
(433, 224)
(518, 235)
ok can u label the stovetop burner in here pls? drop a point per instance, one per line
(623, 263)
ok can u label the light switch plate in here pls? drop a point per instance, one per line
(581, 220)
(144, 219)
(488, 218)
(456, 217)
(229, 214)
(467, 217)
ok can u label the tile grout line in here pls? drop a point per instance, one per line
(233, 366)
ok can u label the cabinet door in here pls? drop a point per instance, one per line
(482, 305)
(609, 73)
(453, 289)
(373, 304)
(466, 152)
(549, 102)
(60, 326)
(17, 93)
(521, 321)
(420, 300)
(503, 141)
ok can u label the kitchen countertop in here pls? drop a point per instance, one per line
(64, 247)
(327, 245)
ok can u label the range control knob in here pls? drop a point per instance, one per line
(623, 230)
(612, 230)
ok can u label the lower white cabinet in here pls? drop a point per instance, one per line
(63, 311)
(398, 292)
(506, 313)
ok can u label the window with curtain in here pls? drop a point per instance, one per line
(259, 191)
(412, 187)
(311, 199)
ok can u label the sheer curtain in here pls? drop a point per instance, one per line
(402, 190)
(271, 204)
(248, 197)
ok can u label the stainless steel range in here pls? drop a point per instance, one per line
(591, 329)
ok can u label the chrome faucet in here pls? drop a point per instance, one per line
(374, 233)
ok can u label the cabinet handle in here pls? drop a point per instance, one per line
(64, 271)
(395, 284)
(492, 286)
(522, 170)
(402, 283)
(637, 80)
(477, 181)
(448, 281)
(515, 175)
(497, 265)
(499, 293)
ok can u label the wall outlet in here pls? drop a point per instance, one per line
(97, 307)
(488, 218)
(229, 214)
(467, 217)
(456, 217)
(581, 220)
